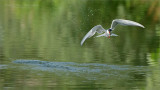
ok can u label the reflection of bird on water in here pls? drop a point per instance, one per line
(107, 33)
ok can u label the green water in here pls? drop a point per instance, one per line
(40, 45)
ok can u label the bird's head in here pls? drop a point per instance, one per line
(110, 30)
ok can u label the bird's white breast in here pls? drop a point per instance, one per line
(107, 32)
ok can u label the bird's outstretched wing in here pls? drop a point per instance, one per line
(124, 23)
(98, 29)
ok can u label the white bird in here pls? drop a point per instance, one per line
(107, 33)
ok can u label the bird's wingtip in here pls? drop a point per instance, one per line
(81, 43)
(142, 26)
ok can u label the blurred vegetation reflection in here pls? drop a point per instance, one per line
(52, 30)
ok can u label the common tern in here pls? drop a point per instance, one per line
(107, 33)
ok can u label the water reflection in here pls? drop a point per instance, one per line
(51, 32)
(34, 73)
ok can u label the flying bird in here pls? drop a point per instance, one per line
(107, 33)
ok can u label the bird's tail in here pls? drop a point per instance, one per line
(113, 34)
(105, 35)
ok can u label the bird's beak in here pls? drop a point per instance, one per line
(109, 33)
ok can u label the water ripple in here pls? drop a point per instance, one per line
(86, 70)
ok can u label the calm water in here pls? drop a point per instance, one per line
(40, 45)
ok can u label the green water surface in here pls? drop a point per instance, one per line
(40, 45)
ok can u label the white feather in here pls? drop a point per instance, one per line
(100, 29)
(124, 23)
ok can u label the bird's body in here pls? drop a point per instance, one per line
(107, 33)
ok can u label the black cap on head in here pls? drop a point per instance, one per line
(110, 30)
